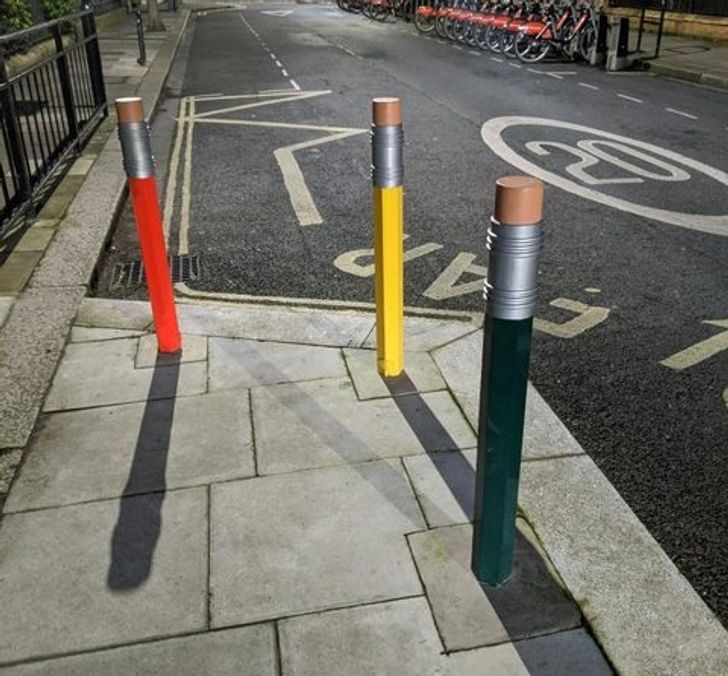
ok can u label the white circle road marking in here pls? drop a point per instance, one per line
(492, 131)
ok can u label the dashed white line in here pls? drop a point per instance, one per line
(279, 64)
(515, 65)
(458, 47)
(285, 72)
(690, 116)
(533, 70)
(294, 84)
(630, 98)
(586, 85)
(554, 75)
(273, 56)
(496, 59)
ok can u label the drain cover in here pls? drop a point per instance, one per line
(131, 273)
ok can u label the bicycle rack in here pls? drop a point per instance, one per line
(645, 21)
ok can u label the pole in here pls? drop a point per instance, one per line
(140, 38)
(136, 149)
(515, 239)
(387, 175)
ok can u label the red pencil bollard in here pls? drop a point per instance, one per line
(136, 149)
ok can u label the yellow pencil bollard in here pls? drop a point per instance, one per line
(387, 174)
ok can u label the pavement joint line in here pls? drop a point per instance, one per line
(586, 85)
(682, 113)
(208, 520)
(253, 442)
(277, 649)
(558, 456)
(424, 518)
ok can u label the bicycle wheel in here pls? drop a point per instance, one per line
(587, 41)
(507, 43)
(381, 11)
(492, 39)
(480, 32)
(424, 24)
(532, 50)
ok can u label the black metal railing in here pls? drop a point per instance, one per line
(48, 109)
(708, 7)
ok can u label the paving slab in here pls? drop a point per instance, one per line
(194, 348)
(565, 652)
(422, 334)
(244, 651)
(320, 423)
(388, 639)
(530, 603)
(82, 334)
(309, 541)
(87, 370)
(35, 239)
(102, 574)
(444, 484)
(648, 618)
(17, 269)
(6, 303)
(31, 341)
(94, 454)
(236, 363)
(496, 660)
(311, 327)
(421, 374)
(9, 461)
(114, 314)
(544, 435)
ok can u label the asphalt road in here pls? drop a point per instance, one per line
(636, 209)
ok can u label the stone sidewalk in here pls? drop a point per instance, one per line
(265, 505)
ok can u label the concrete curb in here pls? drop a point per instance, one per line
(689, 75)
(36, 329)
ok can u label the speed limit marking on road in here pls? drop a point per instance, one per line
(596, 147)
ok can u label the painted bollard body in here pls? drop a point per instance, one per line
(387, 176)
(515, 240)
(136, 149)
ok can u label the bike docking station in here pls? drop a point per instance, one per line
(387, 176)
(618, 51)
(136, 151)
(515, 239)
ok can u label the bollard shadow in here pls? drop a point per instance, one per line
(139, 523)
(531, 602)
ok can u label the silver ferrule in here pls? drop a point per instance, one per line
(511, 286)
(387, 160)
(136, 149)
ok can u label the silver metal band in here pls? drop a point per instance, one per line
(511, 286)
(387, 160)
(136, 149)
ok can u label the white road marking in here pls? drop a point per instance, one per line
(586, 85)
(348, 51)
(446, 286)
(592, 289)
(184, 220)
(533, 70)
(700, 351)
(496, 59)
(294, 96)
(559, 75)
(295, 183)
(171, 189)
(588, 317)
(284, 72)
(630, 98)
(294, 84)
(277, 12)
(279, 64)
(682, 113)
(349, 261)
(492, 134)
(515, 65)
(273, 56)
(554, 75)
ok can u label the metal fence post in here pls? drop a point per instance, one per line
(64, 78)
(136, 149)
(16, 145)
(88, 23)
(387, 175)
(515, 239)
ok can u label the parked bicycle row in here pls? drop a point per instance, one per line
(529, 31)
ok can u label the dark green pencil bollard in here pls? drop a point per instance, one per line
(515, 239)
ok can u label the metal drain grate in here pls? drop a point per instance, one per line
(131, 273)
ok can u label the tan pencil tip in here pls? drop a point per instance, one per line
(386, 111)
(518, 200)
(130, 109)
